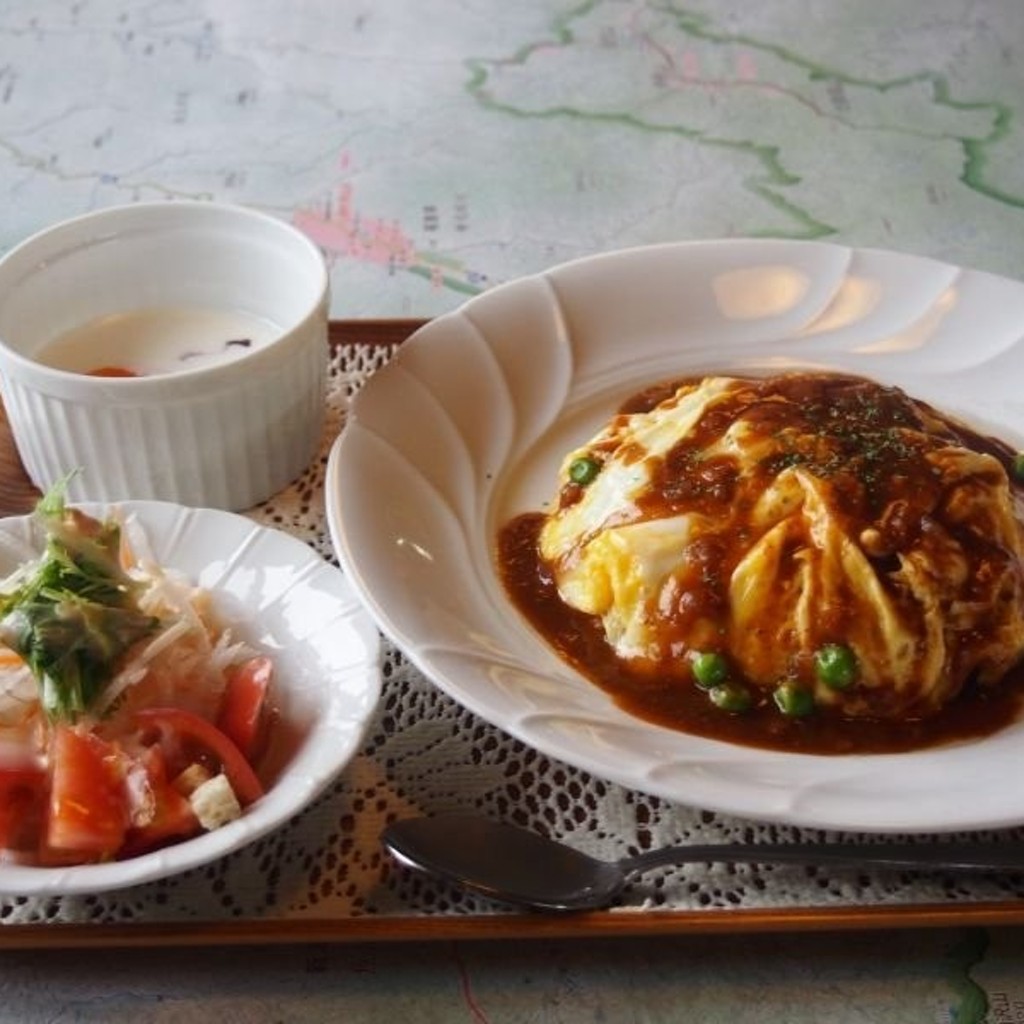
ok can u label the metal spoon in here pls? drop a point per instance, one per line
(512, 865)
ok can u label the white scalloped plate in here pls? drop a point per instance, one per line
(466, 425)
(278, 594)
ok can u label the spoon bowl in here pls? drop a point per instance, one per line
(512, 865)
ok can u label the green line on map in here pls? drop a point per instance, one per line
(774, 174)
(975, 150)
(437, 259)
(446, 280)
(972, 1000)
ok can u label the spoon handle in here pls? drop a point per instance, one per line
(925, 856)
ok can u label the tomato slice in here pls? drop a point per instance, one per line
(22, 806)
(241, 716)
(88, 809)
(178, 726)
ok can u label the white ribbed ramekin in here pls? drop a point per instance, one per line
(225, 435)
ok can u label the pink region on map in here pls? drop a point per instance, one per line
(340, 230)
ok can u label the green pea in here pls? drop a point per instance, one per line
(793, 700)
(836, 666)
(709, 669)
(730, 697)
(584, 469)
(1018, 466)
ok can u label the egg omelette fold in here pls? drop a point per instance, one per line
(769, 518)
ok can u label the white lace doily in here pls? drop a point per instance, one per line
(425, 754)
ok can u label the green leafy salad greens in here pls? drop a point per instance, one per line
(73, 613)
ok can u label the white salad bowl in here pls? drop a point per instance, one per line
(276, 594)
(214, 419)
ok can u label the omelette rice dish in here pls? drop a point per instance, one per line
(821, 556)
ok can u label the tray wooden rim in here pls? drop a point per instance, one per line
(382, 332)
(389, 332)
(592, 925)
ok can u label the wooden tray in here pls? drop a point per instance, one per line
(17, 495)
